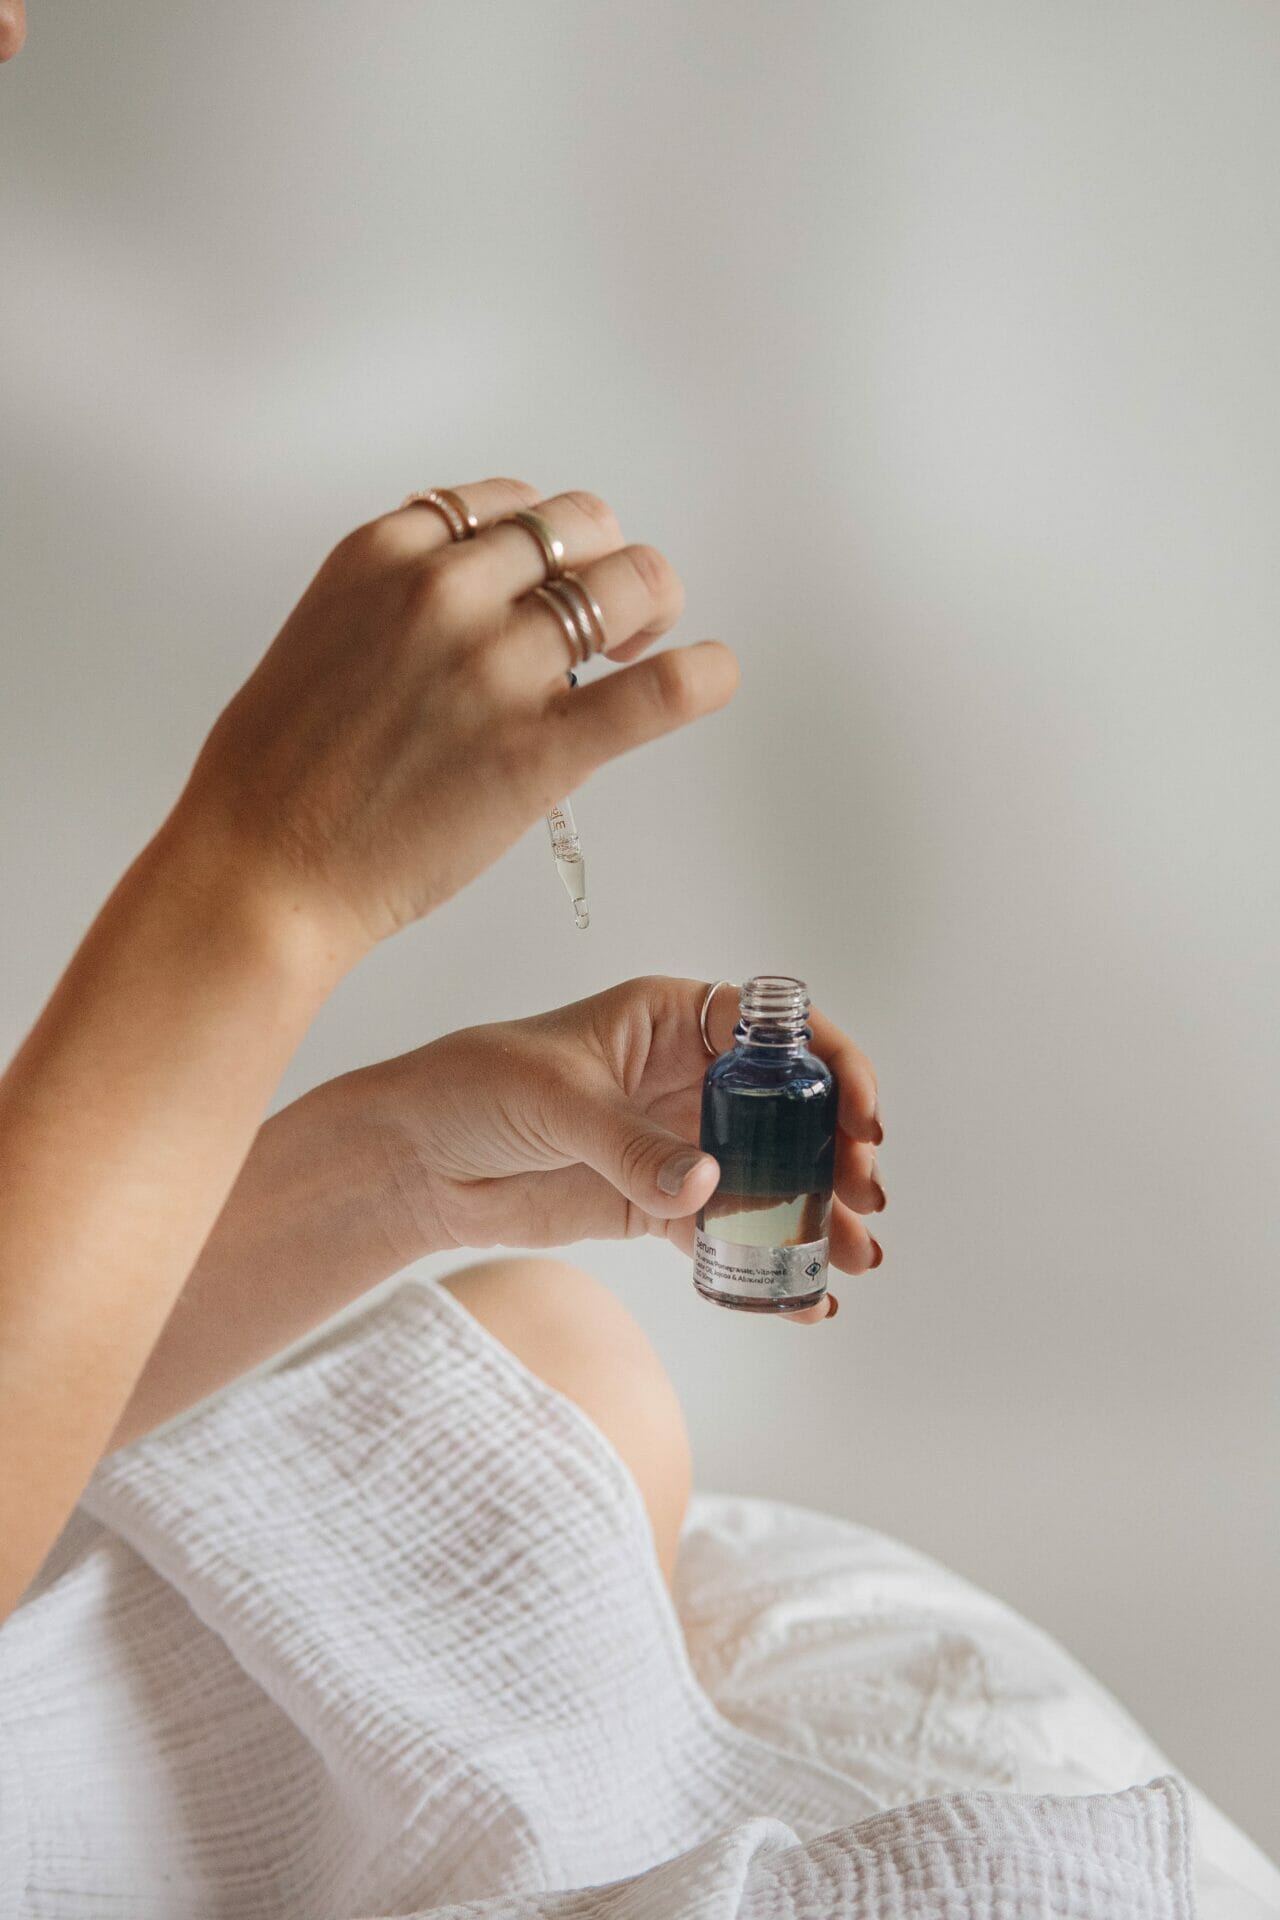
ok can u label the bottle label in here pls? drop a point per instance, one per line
(759, 1273)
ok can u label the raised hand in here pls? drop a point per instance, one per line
(413, 718)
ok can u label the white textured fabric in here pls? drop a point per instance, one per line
(383, 1633)
(836, 1642)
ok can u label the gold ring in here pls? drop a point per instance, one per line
(590, 617)
(550, 545)
(567, 618)
(706, 1008)
(452, 498)
(451, 507)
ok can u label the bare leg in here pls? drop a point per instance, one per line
(571, 1331)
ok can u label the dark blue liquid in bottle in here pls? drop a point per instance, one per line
(769, 1117)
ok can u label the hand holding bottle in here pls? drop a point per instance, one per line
(582, 1124)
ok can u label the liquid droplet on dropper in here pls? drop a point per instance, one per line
(567, 849)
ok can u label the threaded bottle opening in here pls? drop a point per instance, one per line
(773, 1006)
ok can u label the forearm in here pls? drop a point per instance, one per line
(315, 1219)
(124, 1120)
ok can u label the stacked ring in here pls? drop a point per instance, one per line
(452, 508)
(568, 620)
(578, 613)
(590, 618)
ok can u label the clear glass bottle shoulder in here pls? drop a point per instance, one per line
(768, 1070)
(768, 1115)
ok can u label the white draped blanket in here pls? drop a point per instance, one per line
(382, 1633)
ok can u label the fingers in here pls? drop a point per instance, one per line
(827, 1309)
(638, 591)
(421, 529)
(13, 28)
(504, 560)
(661, 1174)
(853, 1247)
(858, 1181)
(511, 562)
(492, 576)
(859, 1099)
(636, 588)
(638, 703)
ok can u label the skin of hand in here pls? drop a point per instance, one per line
(582, 1124)
(534, 1132)
(13, 28)
(413, 716)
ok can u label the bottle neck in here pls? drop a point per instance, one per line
(772, 1011)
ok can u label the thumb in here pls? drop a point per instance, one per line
(653, 1167)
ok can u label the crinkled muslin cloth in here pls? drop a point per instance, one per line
(382, 1632)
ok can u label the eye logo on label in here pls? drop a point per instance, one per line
(814, 1269)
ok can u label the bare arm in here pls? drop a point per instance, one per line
(407, 724)
(315, 1218)
(123, 1123)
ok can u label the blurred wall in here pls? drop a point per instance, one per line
(939, 346)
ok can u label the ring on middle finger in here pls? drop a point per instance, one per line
(550, 545)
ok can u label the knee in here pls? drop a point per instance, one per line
(572, 1332)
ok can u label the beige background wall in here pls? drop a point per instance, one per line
(940, 348)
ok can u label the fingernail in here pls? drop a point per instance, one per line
(878, 1135)
(879, 1253)
(677, 1169)
(882, 1199)
(833, 1306)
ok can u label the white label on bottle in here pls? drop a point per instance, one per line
(759, 1273)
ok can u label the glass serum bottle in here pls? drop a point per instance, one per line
(769, 1117)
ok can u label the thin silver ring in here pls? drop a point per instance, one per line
(584, 626)
(460, 521)
(706, 1008)
(584, 623)
(581, 620)
(567, 618)
(589, 612)
(550, 545)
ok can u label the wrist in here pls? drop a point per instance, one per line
(232, 902)
(315, 1219)
(386, 1106)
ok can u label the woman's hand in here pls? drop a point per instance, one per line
(569, 1126)
(582, 1124)
(413, 717)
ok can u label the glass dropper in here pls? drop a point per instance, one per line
(566, 849)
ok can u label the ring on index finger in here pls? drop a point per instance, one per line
(706, 1009)
(452, 508)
